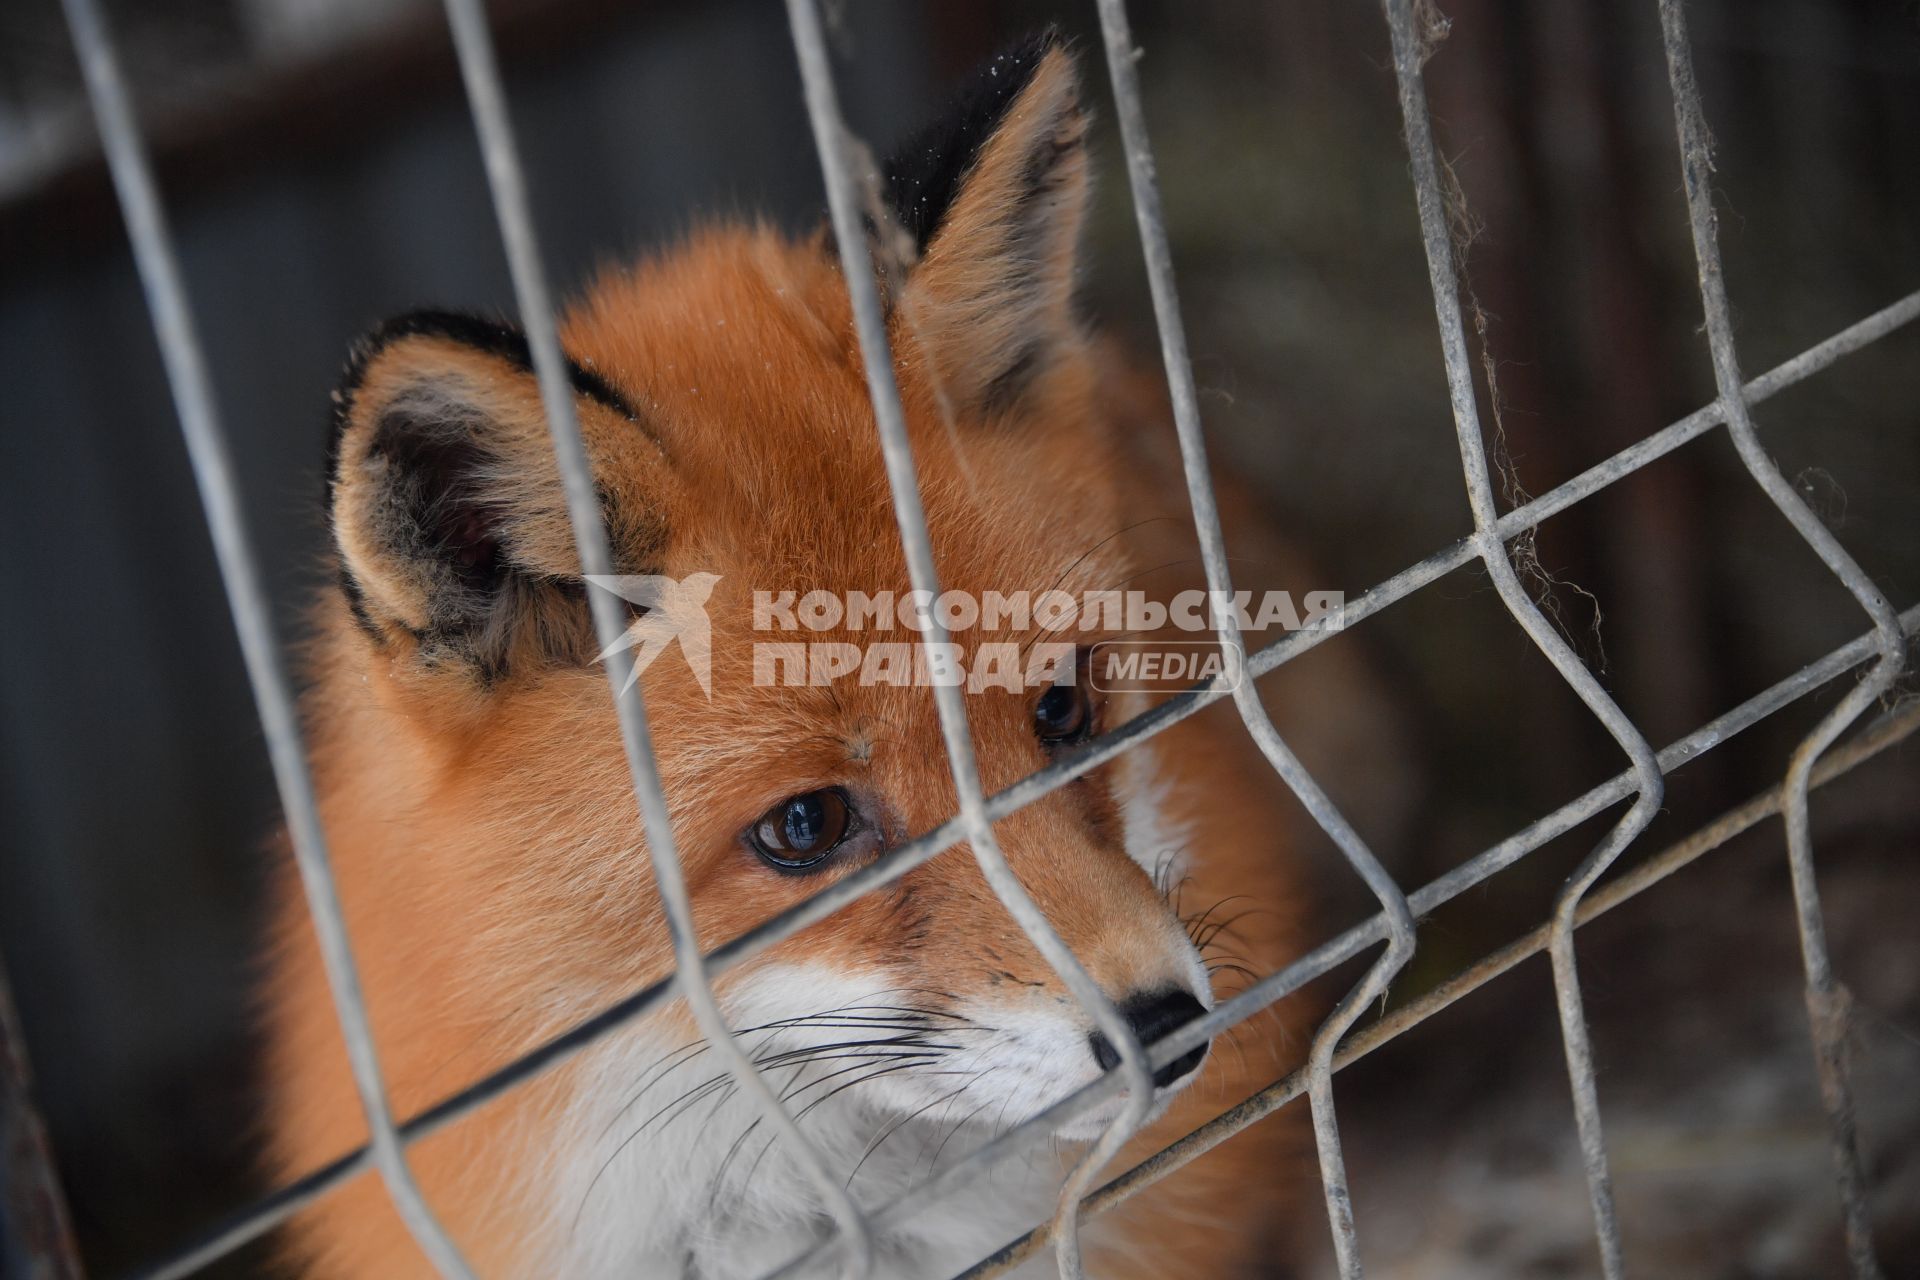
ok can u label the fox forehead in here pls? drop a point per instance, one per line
(738, 350)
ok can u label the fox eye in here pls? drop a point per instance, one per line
(801, 831)
(1063, 715)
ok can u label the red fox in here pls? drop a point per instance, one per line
(489, 850)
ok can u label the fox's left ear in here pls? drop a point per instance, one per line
(993, 195)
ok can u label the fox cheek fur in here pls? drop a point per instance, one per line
(488, 848)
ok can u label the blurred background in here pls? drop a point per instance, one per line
(319, 165)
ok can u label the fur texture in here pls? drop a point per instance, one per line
(488, 847)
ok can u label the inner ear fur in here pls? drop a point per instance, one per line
(447, 507)
(995, 196)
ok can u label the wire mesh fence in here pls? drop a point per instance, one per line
(1880, 650)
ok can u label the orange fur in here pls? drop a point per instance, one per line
(487, 844)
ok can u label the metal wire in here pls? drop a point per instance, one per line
(1827, 1001)
(480, 71)
(192, 390)
(1393, 925)
(276, 1208)
(1121, 56)
(835, 144)
(1408, 58)
(1275, 987)
(1895, 729)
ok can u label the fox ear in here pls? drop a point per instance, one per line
(447, 506)
(993, 196)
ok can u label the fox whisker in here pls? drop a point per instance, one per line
(893, 1128)
(818, 1102)
(933, 1161)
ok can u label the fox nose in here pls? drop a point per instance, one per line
(1153, 1014)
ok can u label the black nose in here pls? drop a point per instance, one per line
(1153, 1015)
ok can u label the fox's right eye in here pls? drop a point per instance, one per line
(801, 831)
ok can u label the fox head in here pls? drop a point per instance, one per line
(489, 846)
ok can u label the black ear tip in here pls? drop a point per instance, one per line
(497, 338)
(997, 81)
(470, 330)
(923, 174)
(1025, 53)
(465, 328)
